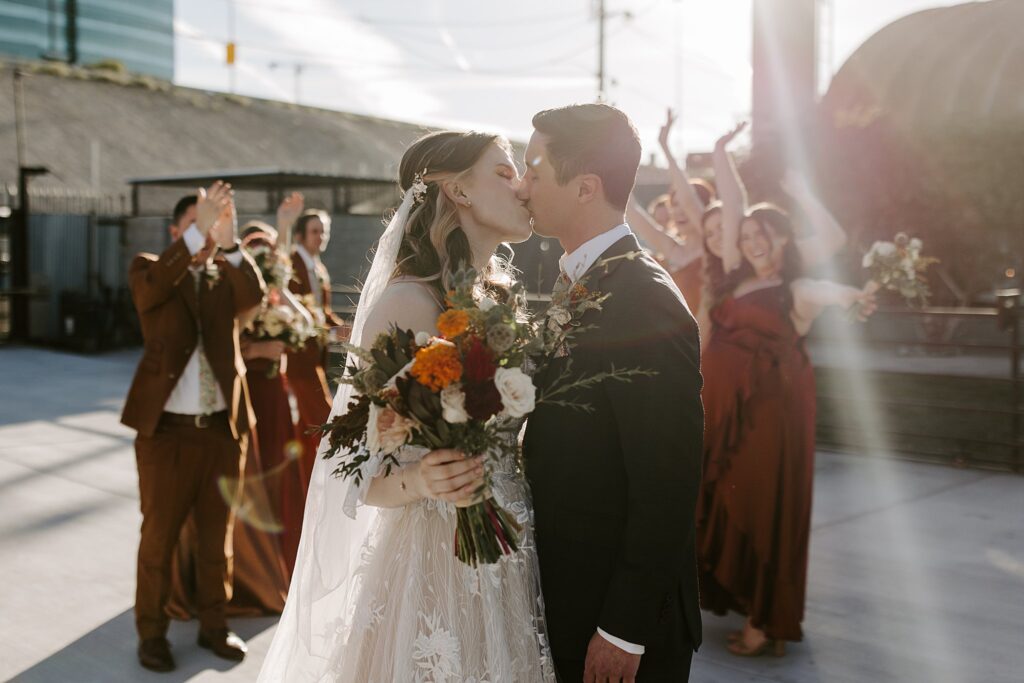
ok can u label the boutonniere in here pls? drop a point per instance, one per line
(211, 275)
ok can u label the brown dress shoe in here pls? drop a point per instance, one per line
(224, 644)
(155, 654)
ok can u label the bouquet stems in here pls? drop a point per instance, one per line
(484, 532)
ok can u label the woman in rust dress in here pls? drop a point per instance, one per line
(755, 507)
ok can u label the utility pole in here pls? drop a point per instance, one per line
(297, 69)
(601, 17)
(231, 47)
(677, 63)
(71, 30)
(19, 227)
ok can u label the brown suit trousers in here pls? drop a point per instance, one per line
(186, 469)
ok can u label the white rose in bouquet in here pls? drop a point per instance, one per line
(884, 249)
(453, 404)
(273, 325)
(518, 394)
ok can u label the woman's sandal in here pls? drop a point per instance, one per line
(772, 648)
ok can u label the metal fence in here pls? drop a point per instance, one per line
(77, 281)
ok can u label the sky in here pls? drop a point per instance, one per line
(491, 66)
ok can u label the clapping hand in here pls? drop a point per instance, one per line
(210, 205)
(225, 231)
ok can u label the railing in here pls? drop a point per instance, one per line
(1005, 316)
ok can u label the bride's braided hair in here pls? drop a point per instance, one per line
(435, 247)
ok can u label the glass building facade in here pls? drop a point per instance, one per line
(137, 33)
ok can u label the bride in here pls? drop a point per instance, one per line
(377, 595)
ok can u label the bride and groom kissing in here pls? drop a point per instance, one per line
(604, 585)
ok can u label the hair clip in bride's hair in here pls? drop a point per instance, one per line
(418, 188)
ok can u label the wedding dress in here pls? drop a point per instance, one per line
(378, 595)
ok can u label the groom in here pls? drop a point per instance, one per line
(615, 488)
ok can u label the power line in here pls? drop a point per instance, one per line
(392, 21)
(316, 58)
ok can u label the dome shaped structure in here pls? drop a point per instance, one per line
(958, 66)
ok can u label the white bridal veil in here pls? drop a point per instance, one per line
(322, 596)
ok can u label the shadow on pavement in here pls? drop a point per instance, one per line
(107, 654)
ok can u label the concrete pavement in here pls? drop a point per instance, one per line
(916, 571)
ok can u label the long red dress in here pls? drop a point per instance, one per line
(755, 507)
(260, 570)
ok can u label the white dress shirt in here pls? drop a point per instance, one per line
(586, 255)
(575, 265)
(185, 397)
(311, 263)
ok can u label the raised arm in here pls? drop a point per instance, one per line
(828, 236)
(152, 280)
(733, 196)
(682, 189)
(247, 286)
(812, 297)
(287, 213)
(669, 247)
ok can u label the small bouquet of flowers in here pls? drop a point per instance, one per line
(277, 318)
(466, 389)
(322, 331)
(274, 266)
(898, 266)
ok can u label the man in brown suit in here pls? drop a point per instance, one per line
(190, 406)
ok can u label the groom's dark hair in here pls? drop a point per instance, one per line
(592, 138)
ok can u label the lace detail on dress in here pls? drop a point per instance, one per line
(421, 615)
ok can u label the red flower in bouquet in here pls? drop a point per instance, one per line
(479, 362)
(483, 400)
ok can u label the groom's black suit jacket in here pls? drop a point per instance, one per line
(615, 489)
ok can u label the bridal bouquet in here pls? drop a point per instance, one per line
(466, 389)
(899, 266)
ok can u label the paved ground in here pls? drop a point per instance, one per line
(917, 571)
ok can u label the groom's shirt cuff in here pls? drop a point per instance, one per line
(631, 648)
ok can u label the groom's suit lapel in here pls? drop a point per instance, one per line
(609, 261)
